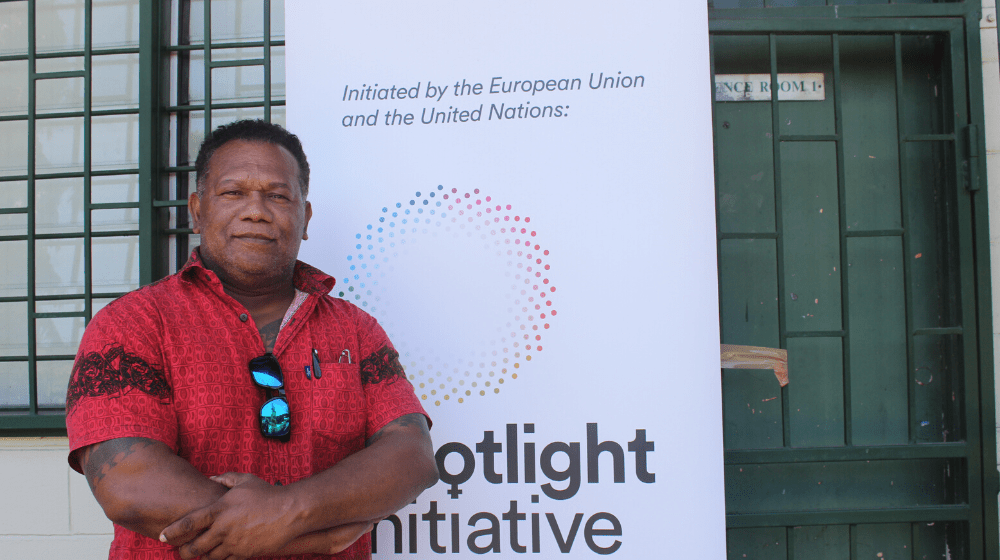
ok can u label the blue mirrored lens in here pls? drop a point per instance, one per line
(266, 372)
(275, 419)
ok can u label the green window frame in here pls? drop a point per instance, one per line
(180, 71)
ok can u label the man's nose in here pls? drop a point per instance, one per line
(255, 208)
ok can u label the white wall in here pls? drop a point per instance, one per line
(48, 510)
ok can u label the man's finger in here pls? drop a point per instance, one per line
(231, 479)
(203, 545)
(188, 527)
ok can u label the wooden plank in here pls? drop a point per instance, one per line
(804, 53)
(744, 152)
(811, 222)
(933, 261)
(749, 309)
(883, 541)
(879, 389)
(871, 153)
(841, 486)
(822, 542)
(756, 544)
(816, 396)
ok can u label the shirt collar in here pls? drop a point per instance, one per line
(306, 278)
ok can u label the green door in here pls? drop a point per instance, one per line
(847, 235)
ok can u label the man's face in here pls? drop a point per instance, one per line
(252, 215)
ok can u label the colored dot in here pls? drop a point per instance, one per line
(527, 219)
(369, 227)
(399, 205)
(546, 267)
(381, 219)
(553, 312)
(358, 236)
(425, 201)
(349, 257)
(453, 191)
(440, 187)
(418, 193)
(467, 195)
(517, 218)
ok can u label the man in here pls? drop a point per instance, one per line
(235, 409)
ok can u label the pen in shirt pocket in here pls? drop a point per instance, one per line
(317, 372)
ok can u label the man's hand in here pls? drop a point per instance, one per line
(330, 541)
(251, 519)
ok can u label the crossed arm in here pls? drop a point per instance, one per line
(143, 486)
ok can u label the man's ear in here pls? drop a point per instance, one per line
(309, 215)
(194, 211)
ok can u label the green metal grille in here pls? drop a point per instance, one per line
(225, 66)
(103, 104)
(848, 234)
(68, 203)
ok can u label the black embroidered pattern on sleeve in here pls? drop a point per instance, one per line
(114, 372)
(381, 365)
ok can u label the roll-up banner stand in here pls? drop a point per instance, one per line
(522, 194)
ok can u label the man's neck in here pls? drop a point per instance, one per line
(265, 298)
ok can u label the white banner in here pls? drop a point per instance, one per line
(521, 193)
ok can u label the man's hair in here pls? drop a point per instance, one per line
(250, 130)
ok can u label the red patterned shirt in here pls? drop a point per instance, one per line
(169, 362)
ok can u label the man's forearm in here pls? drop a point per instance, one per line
(144, 486)
(371, 484)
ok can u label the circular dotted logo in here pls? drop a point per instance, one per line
(502, 231)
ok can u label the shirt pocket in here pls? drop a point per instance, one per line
(339, 410)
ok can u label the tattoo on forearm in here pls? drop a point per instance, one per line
(269, 334)
(101, 458)
(404, 421)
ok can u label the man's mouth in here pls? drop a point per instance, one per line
(254, 237)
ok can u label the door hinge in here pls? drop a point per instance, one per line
(972, 149)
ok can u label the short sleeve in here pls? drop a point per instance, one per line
(388, 392)
(118, 387)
